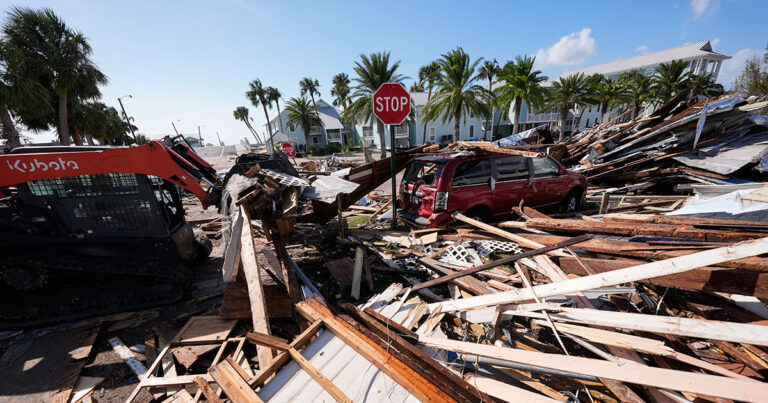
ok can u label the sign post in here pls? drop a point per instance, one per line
(392, 104)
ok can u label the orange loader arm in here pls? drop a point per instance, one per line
(152, 158)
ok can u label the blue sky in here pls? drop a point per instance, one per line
(191, 61)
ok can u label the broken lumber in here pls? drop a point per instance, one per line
(616, 277)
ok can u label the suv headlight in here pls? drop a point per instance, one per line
(441, 201)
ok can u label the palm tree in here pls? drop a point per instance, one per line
(310, 86)
(489, 69)
(372, 71)
(341, 90)
(17, 91)
(416, 87)
(522, 84)
(638, 90)
(60, 55)
(241, 113)
(670, 78)
(565, 94)
(258, 94)
(457, 93)
(428, 75)
(609, 93)
(702, 84)
(302, 114)
(274, 95)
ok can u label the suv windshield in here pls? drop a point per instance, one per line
(425, 172)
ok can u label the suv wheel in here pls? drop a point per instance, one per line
(572, 201)
(478, 213)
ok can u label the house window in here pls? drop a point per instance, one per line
(368, 132)
(597, 121)
(432, 134)
(471, 131)
(587, 125)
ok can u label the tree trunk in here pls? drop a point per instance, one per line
(306, 138)
(90, 139)
(77, 137)
(606, 113)
(279, 116)
(563, 119)
(9, 133)
(382, 138)
(456, 126)
(518, 109)
(424, 137)
(253, 132)
(485, 130)
(312, 95)
(269, 126)
(63, 124)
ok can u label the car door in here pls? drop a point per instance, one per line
(547, 181)
(471, 185)
(511, 178)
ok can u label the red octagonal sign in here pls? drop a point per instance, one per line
(391, 103)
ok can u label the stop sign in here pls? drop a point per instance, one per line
(391, 103)
(289, 150)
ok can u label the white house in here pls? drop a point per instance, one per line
(332, 131)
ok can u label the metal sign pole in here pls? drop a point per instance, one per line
(394, 175)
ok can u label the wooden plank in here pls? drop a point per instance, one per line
(188, 355)
(268, 340)
(207, 391)
(259, 318)
(204, 329)
(497, 231)
(711, 279)
(283, 357)
(471, 284)
(506, 392)
(701, 328)
(341, 270)
(616, 277)
(357, 274)
(232, 253)
(326, 383)
(233, 385)
(711, 385)
(128, 357)
(385, 361)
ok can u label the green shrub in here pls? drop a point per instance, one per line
(332, 148)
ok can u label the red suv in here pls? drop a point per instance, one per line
(485, 186)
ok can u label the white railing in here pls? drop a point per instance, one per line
(541, 117)
(402, 132)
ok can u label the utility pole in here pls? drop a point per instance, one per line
(174, 128)
(200, 135)
(220, 142)
(125, 115)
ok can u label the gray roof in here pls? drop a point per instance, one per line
(280, 137)
(690, 51)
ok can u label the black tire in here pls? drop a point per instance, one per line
(203, 247)
(572, 201)
(480, 213)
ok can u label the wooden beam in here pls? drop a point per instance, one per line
(616, 277)
(705, 329)
(500, 262)
(283, 357)
(711, 279)
(207, 391)
(233, 385)
(259, 318)
(312, 371)
(497, 231)
(268, 340)
(385, 361)
(357, 273)
(737, 389)
(471, 284)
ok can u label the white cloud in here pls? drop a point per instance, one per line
(703, 9)
(571, 49)
(715, 42)
(732, 67)
(642, 49)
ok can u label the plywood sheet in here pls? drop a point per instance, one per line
(202, 329)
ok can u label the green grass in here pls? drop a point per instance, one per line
(357, 221)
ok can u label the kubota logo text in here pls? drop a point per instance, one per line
(32, 166)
